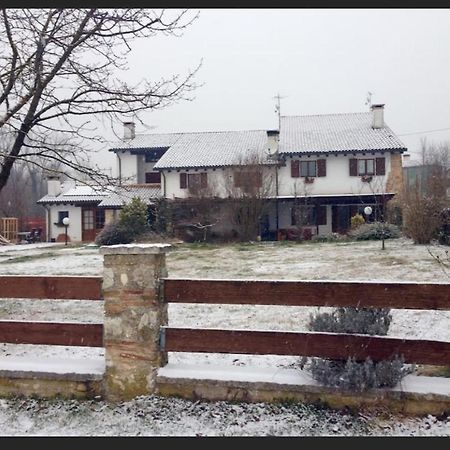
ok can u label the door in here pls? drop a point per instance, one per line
(92, 222)
(340, 218)
(88, 225)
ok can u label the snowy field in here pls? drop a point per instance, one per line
(401, 260)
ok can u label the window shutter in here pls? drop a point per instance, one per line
(183, 181)
(295, 168)
(321, 167)
(380, 166)
(203, 180)
(321, 215)
(353, 167)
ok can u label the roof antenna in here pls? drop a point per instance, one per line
(278, 108)
(369, 99)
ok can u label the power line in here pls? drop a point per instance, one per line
(422, 132)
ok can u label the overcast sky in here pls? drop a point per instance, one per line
(321, 61)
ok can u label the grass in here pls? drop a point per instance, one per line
(20, 259)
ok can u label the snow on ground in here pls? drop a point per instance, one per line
(400, 261)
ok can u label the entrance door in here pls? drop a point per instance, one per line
(340, 218)
(88, 225)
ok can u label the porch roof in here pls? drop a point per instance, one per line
(339, 199)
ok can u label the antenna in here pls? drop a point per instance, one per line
(369, 99)
(278, 98)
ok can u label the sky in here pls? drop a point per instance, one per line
(321, 61)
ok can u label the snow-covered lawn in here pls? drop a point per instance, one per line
(401, 260)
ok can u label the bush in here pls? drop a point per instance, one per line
(352, 374)
(356, 221)
(332, 237)
(134, 217)
(375, 231)
(113, 233)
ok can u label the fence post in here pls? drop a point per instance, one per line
(134, 313)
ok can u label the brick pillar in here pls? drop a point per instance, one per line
(134, 312)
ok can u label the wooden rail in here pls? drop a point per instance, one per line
(43, 287)
(426, 296)
(325, 345)
(309, 293)
(52, 333)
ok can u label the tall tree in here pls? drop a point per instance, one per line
(59, 68)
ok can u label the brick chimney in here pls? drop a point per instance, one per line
(129, 130)
(377, 116)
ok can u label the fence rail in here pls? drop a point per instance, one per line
(44, 287)
(426, 296)
(309, 293)
(52, 333)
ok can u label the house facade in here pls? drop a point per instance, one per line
(317, 171)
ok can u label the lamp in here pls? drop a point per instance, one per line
(367, 210)
(66, 222)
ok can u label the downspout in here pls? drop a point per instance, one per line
(120, 169)
(164, 178)
(48, 231)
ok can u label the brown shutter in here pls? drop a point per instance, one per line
(380, 166)
(295, 168)
(183, 181)
(321, 215)
(203, 180)
(353, 167)
(321, 167)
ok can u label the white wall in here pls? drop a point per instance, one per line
(336, 181)
(129, 168)
(74, 228)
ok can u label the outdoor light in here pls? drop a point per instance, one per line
(66, 222)
(367, 210)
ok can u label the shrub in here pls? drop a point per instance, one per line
(332, 237)
(356, 221)
(350, 373)
(133, 217)
(375, 231)
(113, 233)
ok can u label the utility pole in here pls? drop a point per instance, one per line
(278, 98)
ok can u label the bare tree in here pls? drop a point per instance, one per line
(60, 68)
(249, 190)
(426, 199)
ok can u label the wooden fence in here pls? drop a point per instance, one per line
(423, 296)
(426, 296)
(55, 288)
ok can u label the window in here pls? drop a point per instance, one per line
(153, 177)
(366, 167)
(193, 180)
(308, 169)
(61, 215)
(99, 219)
(303, 215)
(247, 180)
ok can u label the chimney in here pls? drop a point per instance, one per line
(53, 186)
(129, 130)
(377, 116)
(406, 156)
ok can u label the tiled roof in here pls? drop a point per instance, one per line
(159, 140)
(77, 194)
(334, 133)
(213, 149)
(123, 195)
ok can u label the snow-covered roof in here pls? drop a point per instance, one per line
(335, 133)
(123, 195)
(214, 149)
(76, 194)
(157, 140)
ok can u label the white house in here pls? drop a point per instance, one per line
(328, 167)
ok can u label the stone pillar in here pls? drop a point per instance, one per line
(134, 313)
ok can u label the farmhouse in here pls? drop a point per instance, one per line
(313, 174)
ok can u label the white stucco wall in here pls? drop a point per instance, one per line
(336, 181)
(74, 228)
(129, 168)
